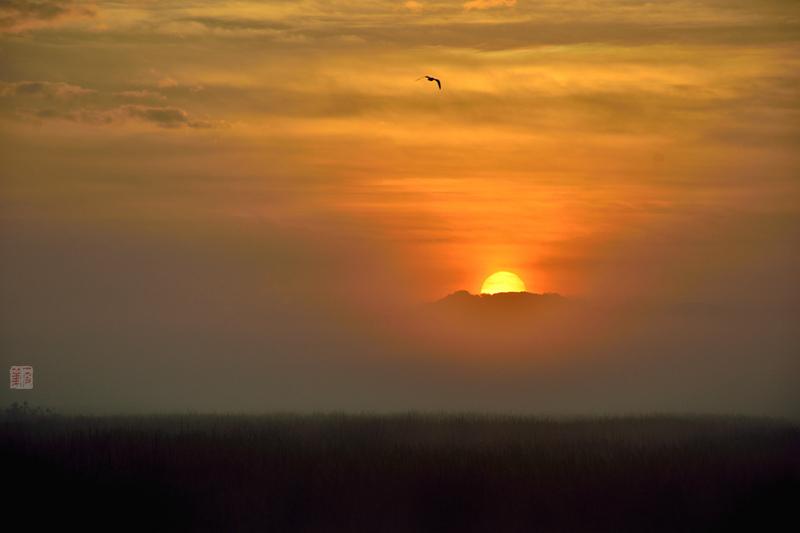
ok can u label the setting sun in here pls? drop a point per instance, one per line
(502, 282)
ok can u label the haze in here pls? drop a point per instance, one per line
(249, 206)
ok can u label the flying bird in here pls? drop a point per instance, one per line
(431, 78)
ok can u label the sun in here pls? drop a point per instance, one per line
(502, 282)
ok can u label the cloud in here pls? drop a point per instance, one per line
(487, 4)
(142, 94)
(55, 89)
(94, 117)
(162, 116)
(414, 6)
(166, 117)
(57, 101)
(167, 82)
(237, 23)
(22, 15)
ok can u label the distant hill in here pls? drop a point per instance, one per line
(504, 302)
(472, 314)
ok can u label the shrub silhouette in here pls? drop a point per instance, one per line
(401, 473)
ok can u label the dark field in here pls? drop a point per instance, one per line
(403, 473)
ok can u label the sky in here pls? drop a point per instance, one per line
(248, 205)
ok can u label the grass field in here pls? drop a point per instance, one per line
(401, 473)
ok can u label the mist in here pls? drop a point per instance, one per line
(247, 317)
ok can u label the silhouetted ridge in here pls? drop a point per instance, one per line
(518, 304)
(463, 297)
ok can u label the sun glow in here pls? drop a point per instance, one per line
(502, 282)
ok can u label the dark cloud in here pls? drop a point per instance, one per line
(43, 9)
(166, 117)
(162, 116)
(19, 15)
(513, 34)
(43, 88)
(85, 116)
(232, 23)
(63, 106)
(459, 24)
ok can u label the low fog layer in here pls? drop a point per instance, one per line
(209, 320)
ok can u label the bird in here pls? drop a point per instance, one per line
(431, 78)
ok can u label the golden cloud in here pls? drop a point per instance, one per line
(487, 4)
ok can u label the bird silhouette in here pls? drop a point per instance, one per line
(431, 78)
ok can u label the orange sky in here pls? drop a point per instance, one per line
(180, 156)
(560, 127)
